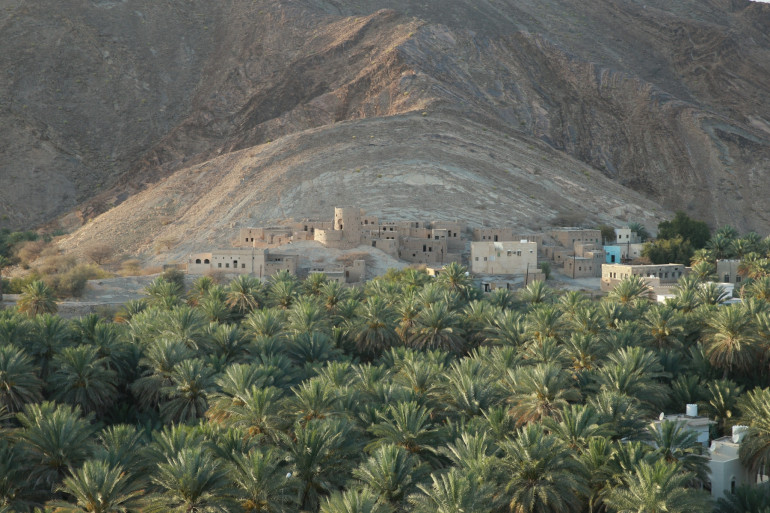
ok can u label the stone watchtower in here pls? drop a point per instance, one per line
(348, 221)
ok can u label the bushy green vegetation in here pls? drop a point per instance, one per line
(410, 394)
(9, 240)
(677, 240)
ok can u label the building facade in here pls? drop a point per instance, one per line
(508, 257)
(656, 276)
(257, 262)
(727, 271)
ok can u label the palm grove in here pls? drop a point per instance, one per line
(409, 394)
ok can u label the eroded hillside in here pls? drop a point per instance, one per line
(666, 101)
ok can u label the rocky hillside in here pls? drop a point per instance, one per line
(504, 109)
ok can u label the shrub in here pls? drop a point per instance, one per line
(28, 252)
(130, 267)
(100, 253)
(73, 282)
(174, 276)
(56, 264)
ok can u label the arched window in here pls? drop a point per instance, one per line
(732, 485)
(197, 260)
(206, 261)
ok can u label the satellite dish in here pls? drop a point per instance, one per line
(661, 416)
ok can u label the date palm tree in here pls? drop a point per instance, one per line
(408, 309)
(199, 290)
(409, 426)
(374, 330)
(19, 384)
(636, 372)
(506, 329)
(622, 414)
(578, 426)
(261, 482)
(122, 445)
(544, 322)
(186, 396)
(712, 294)
(37, 298)
(57, 438)
(470, 389)
(747, 498)
(536, 292)
(51, 334)
(629, 289)
(438, 327)
(257, 411)
(187, 325)
(759, 288)
(542, 476)
(244, 294)
(191, 481)
(657, 488)
(313, 284)
(163, 294)
(391, 472)
(314, 399)
(332, 294)
(16, 490)
(538, 392)
(704, 270)
(675, 443)
(283, 290)
(502, 299)
(97, 487)
(721, 397)
(730, 341)
(157, 365)
(719, 245)
(452, 492)
(454, 277)
(355, 501)
(83, 378)
(227, 342)
(754, 450)
(665, 326)
(474, 455)
(319, 454)
(306, 315)
(268, 322)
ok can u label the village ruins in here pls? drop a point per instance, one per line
(497, 256)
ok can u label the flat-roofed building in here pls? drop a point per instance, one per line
(654, 275)
(508, 257)
(727, 271)
(257, 262)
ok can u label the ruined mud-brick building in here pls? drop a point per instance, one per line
(436, 242)
(258, 262)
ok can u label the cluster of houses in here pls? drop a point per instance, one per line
(499, 257)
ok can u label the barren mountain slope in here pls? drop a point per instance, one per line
(406, 167)
(665, 98)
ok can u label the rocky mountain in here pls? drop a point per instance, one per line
(197, 117)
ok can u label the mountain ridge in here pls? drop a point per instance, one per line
(666, 100)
